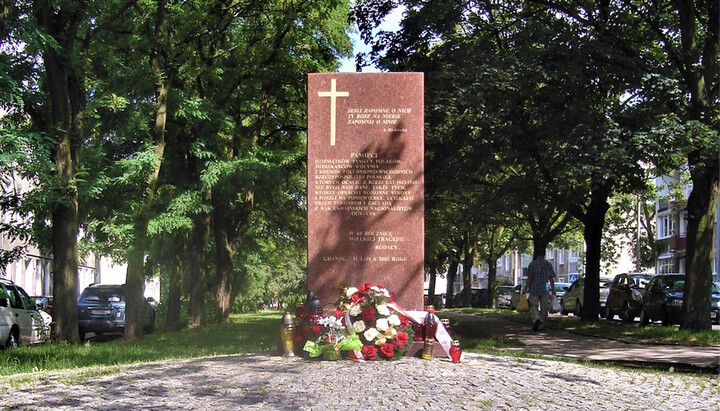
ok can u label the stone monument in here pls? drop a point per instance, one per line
(366, 184)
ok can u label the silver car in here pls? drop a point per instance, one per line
(20, 320)
(574, 298)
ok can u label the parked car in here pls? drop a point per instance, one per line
(438, 303)
(43, 303)
(604, 291)
(517, 292)
(560, 289)
(101, 310)
(625, 296)
(479, 298)
(663, 299)
(715, 310)
(503, 296)
(20, 320)
(574, 298)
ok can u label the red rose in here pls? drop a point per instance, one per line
(369, 352)
(404, 320)
(355, 298)
(401, 340)
(387, 350)
(368, 314)
(339, 313)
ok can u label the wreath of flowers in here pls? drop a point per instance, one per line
(383, 331)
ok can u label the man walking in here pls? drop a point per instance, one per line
(540, 271)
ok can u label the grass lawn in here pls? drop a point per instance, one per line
(259, 332)
(246, 333)
(631, 332)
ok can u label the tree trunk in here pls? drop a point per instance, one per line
(449, 287)
(594, 222)
(431, 287)
(224, 254)
(172, 322)
(229, 228)
(540, 245)
(492, 275)
(67, 106)
(700, 67)
(468, 262)
(135, 279)
(198, 266)
(135, 284)
(702, 205)
(7, 9)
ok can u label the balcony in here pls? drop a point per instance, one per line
(677, 243)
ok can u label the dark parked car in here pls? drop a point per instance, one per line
(715, 310)
(663, 299)
(625, 296)
(101, 310)
(503, 296)
(479, 298)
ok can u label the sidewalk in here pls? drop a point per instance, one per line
(562, 343)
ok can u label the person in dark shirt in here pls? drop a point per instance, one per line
(540, 271)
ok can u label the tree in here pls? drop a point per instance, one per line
(631, 226)
(546, 100)
(43, 54)
(672, 47)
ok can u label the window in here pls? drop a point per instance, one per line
(561, 257)
(665, 265)
(666, 226)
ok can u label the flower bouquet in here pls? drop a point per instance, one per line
(370, 312)
(332, 340)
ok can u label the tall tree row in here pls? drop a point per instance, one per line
(578, 99)
(190, 120)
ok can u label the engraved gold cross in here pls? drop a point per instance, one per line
(333, 94)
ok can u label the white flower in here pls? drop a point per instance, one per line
(330, 322)
(382, 309)
(370, 334)
(380, 341)
(355, 309)
(359, 326)
(394, 320)
(350, 291)
(382, 324)
(391, 334)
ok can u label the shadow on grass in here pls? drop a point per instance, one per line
(612, 329)
(246, 333)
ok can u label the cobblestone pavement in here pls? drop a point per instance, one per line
(274, 383)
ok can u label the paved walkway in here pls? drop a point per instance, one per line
(479, 382)
(561, 343)
(264, 382)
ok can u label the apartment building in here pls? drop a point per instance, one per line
(671, 237)
(33, 269)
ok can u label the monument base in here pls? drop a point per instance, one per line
(416, 349)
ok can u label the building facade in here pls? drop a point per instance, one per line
(672, 219)
(33, 269)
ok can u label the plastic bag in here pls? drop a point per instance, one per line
(523, 306)
(554, 304)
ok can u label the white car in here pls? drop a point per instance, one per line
(20, 320)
